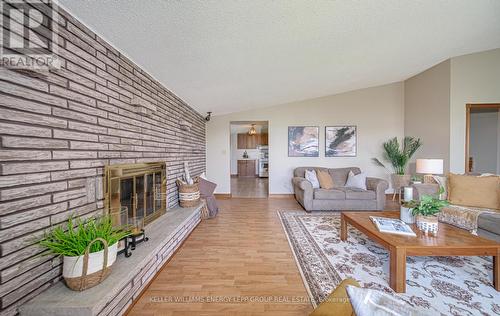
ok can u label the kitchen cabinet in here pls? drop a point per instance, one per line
(264, 139)
(246, 141)
(246, 168)
(242, 141)
(252, 141)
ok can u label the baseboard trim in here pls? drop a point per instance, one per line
(226, 196)
(222, 196)
(281, 196)
(390, 195)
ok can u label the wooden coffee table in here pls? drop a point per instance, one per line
(450, 241)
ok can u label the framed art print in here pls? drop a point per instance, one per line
(341, 141)
(303, 141)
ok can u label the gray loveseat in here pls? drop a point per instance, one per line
(340, 198)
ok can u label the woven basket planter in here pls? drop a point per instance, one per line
(83, 272)
(400, 180)
(189, 195)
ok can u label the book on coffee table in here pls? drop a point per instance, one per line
(392, 226)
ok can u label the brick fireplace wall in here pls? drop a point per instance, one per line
(59, 129)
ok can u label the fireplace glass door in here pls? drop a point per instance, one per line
(126, 199)
(149, 194)
(135, 196)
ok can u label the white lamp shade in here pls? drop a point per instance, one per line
(430, 166)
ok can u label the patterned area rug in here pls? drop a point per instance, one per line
(435, 285)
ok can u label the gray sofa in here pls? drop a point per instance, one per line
(339, 198)
(488, 224)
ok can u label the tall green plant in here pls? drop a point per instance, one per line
(397, 155)
(73, 240)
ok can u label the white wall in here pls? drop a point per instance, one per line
(377, 112)
(475, 78)
(427, 112)
(484, 141)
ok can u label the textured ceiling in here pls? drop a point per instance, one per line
(228, 55)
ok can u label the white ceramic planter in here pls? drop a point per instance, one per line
(73, 266)
(405, 214)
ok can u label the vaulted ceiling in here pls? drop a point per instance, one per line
(228, 55)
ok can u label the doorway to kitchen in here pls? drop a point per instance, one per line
(249, 159)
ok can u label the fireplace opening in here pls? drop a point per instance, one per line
(135, 194)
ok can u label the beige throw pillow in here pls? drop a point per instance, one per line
(474, 191)
(325, 180)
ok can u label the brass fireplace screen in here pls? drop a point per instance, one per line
(135, 194)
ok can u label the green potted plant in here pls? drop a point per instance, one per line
(88, 247)
(399, 156)
(426, 209)
(416, 179)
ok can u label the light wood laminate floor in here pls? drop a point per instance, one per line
(241, 254)
(249, 187)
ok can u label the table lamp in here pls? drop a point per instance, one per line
(429, 167)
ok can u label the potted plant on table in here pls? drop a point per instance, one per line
(425, 211)
(399, 157)
(416, 179)
(88, 248)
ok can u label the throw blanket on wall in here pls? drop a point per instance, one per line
(464, 217)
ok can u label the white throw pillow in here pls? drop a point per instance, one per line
(313, 178)
(368, 302)
(356, 180)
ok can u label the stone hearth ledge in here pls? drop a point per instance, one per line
(129, 276)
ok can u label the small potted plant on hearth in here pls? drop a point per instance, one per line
(425, 211)
(88, 247)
